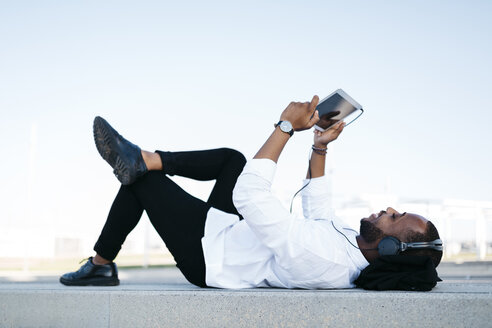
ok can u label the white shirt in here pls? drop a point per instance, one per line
(273, 248)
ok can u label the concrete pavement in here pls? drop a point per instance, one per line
(162, 298)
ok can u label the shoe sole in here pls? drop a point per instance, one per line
(103, 137)
(96, 281)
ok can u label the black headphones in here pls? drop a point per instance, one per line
(393, 246)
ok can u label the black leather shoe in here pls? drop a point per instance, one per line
(91, 274)
(124, 157)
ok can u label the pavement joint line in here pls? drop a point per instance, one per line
(242, 292)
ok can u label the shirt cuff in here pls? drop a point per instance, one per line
(262, 167)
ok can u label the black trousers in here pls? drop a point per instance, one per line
(178, 217)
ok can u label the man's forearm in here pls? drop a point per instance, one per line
(274, 145)
(317, 165)
(321, 141)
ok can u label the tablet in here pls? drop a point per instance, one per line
(335, 108)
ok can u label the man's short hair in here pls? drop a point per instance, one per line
(430, 234)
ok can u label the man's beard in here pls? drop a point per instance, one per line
(370, 232)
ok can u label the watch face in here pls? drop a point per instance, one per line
(286, 126)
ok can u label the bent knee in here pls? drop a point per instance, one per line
(235, 155)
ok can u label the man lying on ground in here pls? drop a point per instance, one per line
(242, 236)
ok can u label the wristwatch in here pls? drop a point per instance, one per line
(285, 126)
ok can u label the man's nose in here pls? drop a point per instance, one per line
(391, 210)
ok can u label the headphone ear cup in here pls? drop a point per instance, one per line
(389, 246)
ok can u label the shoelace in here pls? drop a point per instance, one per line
(85, 259)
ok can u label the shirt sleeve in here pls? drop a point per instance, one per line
(316, 199)
(262, 211)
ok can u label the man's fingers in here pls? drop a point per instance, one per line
(340, 129)
(314, 119)
(314, 102)
(335, 126)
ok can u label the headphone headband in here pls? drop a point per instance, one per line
(435, 245)
(392, 246)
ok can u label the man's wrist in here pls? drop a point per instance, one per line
(279, 132)
(285, 126)
(319, 150)
(320, 145)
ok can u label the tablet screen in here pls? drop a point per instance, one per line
(333, 109)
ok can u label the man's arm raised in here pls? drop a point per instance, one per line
(302, 116)
(265, 214)
(321, 141)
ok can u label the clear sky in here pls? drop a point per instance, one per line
(182, 75)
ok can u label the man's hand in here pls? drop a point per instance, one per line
(321, 139)
(302, 116)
